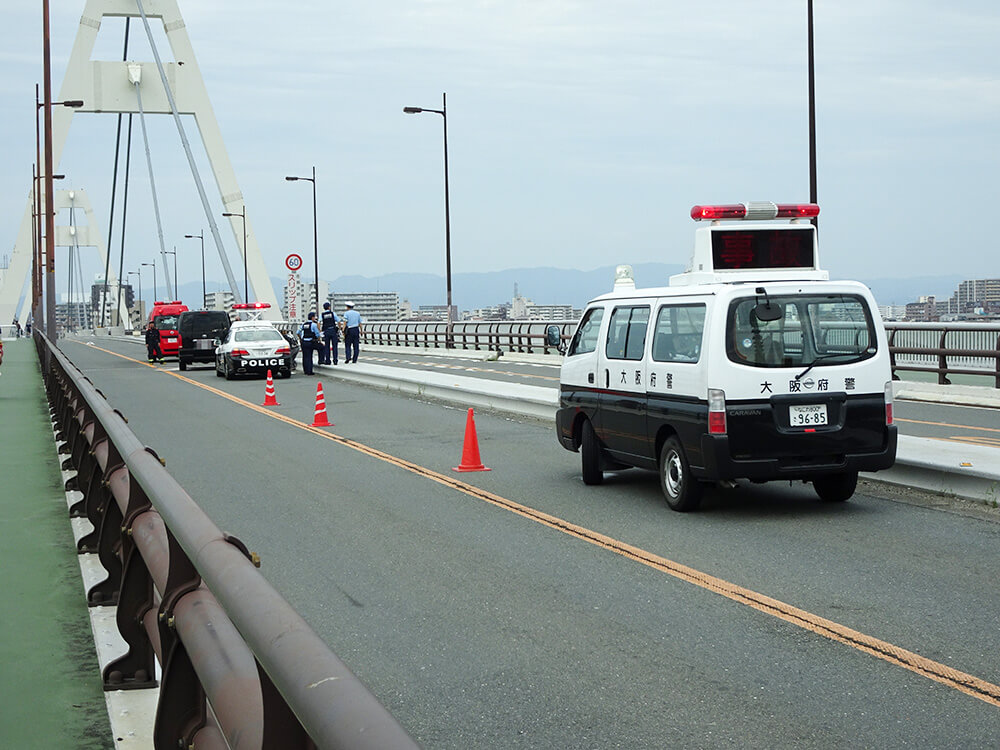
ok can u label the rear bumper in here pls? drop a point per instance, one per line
(243, 365)
(719, 463)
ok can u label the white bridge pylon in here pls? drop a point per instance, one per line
(88, 235)
(104, 87)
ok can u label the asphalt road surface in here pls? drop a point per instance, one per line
(518, 608)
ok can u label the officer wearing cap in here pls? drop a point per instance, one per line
(310, 343)
(352, 333)
(331, 334)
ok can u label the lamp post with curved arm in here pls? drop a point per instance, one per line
(315, 232)
(447, 212)
(153, 265)
(246, 285)
(200, 236)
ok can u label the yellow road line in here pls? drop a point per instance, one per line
(961, 681)
(948, 424)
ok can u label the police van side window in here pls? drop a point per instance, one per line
(585, 338)
(627, 333)
(678, 333)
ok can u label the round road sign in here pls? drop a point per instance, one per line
(293, 262)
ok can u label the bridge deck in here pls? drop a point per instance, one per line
(50, 687)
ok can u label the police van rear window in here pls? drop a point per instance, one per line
(799, 330)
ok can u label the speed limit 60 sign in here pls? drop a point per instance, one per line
(293, 262)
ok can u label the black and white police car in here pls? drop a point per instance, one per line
(751, 364)
(253, 346)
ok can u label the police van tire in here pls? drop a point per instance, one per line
(681, 489)
(836, 488)
(590, 455)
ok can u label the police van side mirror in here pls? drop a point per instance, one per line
(553, 337)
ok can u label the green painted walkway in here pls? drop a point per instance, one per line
(50, 684)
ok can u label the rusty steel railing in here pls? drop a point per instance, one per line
(523, 336)
(945, 349)
(240, 668)
(941, 348)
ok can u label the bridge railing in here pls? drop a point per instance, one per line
(240, 668)
(523, 336)
(943, 349)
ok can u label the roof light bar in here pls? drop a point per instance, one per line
(251, 305)
(756, 211)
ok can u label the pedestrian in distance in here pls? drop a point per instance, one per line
(310, 336)
(352, 333)
(153, 351)
(329, 322)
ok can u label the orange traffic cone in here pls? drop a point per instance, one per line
(269, 398)
(319, 416)
(470, 451)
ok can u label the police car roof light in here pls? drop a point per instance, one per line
(756, 211)
(251, 305)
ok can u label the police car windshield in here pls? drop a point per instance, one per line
(247, 335)
(814, 330)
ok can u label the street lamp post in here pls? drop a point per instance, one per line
(200, 236)
(813, 198)
(315, 232)
(177, 291)
(130, 274)
(447, 213)
(246, 286)
(153, 266)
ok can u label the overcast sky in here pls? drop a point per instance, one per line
(580, 132)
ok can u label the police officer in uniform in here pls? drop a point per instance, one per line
(310, 342)
(331, 334)
(352, 333)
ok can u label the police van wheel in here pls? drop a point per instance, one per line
(836, 488)
(680, 488)
(590, 452)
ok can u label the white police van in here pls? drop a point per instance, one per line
(751, 364)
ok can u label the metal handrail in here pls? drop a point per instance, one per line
(191, 596)
(942, 348)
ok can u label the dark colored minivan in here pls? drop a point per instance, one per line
(198, 330)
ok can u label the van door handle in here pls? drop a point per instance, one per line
(607, 378)
(590, 378)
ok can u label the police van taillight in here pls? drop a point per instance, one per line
(716, 411)
(888, 402)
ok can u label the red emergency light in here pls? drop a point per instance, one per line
(756, 211)
(251, 305)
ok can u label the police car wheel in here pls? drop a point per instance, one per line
(590, 453)
(680, 488)
(229, 371)
(218, 372)
(836, 488)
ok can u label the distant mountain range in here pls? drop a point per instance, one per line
(558, 286)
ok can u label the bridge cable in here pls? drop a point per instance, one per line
(121, 256)
(233, 285)
(111, 217)
(152, 181)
